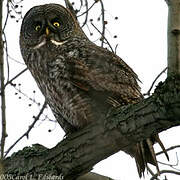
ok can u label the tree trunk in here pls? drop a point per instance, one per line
(173, 37)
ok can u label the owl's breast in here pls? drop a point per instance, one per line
(53, 74)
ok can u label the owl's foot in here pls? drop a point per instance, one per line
(153, 154)
(145, 154)
(151, 148)
(162, 146)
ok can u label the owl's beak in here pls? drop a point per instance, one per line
(47, 31)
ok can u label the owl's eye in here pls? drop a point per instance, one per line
(37, 27)
(56, 24)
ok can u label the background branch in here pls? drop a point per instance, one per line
(152, 85)
(3, 104)
(19, 74)
(102, 36)
(26, 134)
(165, 172)
(168, 149)
(103, 23)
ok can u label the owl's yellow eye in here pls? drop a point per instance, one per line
(56, 24)
(38, 27)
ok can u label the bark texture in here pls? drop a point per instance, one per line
(173, 36)
(123, 127)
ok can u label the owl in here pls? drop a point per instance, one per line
(79, 80)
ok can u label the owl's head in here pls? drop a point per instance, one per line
(48, 23)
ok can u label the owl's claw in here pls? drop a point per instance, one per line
(162, 146)
(148, 154)
(150, 145)
(143, 153)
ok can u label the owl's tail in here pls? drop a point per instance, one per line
(144, 153)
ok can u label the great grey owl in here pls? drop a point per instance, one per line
(79, 80)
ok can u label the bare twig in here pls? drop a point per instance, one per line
(86, 17)
(151, 172)
(103, 37)
(33, 100)
(103, 22)
(164, 172)
(7, 16)
(14, 6)
(87, 8)
(115, 50)
(81, 1)
(154, 176)
(70, 7)
(169, 149)
(26, 134)
(152, 85)
(3, 106)
(11, 58)
(6, 50)
(10, 81)
(172, 165)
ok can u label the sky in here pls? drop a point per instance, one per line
(141, 31)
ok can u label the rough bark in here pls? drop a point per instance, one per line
(173, 36)
(123, 127)
(93, 176)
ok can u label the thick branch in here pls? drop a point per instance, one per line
(123, 127)
(93, 176)
(174, 36)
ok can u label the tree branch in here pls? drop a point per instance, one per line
(123, 127)
(93, 176)
(16, 76)
(2, 94)
(26, 134)
(165, 172)
(168, 149)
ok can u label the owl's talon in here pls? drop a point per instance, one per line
(162, 146)
(143, 153)
(150, 145)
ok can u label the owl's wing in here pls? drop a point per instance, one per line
(102, 71)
